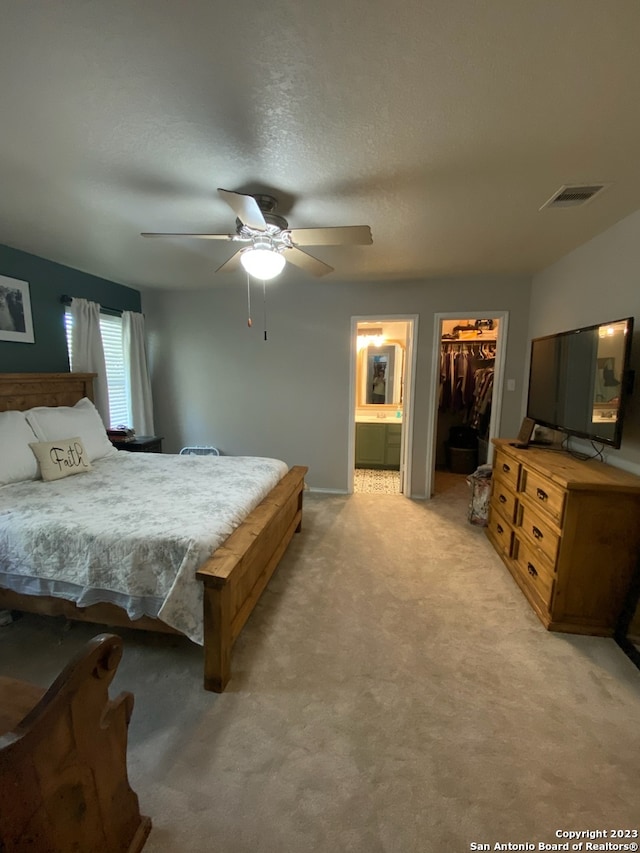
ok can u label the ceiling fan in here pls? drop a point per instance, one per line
(270, 241)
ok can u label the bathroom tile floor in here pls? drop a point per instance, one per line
(379, 482)
(388, 482)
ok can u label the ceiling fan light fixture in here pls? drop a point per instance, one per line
(262, 261)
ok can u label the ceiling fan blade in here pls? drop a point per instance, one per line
(352, 235)
(245, 208)
(306, 262)
(200, 236)
(232, 264)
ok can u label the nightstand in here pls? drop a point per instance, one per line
(141, 444)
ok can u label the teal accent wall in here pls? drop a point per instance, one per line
(48, 281)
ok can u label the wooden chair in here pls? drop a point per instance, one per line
(63, 761)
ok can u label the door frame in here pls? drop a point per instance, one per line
(434, 392)
(406, 446)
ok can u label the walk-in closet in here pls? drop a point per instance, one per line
(467, 361)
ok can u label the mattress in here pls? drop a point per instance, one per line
(132, 531)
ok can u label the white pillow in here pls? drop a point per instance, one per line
(58, 459)
(53, 423)
(17, 462)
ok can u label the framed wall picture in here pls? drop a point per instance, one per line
(16, 323)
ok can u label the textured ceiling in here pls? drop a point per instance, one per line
(442, 124)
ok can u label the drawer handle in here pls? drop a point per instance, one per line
(499, 528)
(536, 532)
(502, 499)
(532, 570)
(542, 495)
(505, 467)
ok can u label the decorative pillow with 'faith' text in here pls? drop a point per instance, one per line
(58, 459)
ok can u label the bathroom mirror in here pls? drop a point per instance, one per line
(380, 375)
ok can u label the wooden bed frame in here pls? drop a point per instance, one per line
(234, 576)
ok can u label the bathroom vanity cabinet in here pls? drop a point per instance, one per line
(378, 445)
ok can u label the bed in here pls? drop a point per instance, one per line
(220, 573)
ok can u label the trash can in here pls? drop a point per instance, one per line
(463, 437)
(462, 460)
(461, 451)
(480, 482)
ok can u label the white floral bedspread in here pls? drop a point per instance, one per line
(132, 531)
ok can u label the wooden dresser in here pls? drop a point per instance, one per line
(569, 533)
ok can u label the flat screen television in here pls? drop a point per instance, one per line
(579, 381)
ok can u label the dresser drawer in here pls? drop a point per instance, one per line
(503, 499)
(538, 531)
(500, 532)
(507, 469)
(534, 569)
(545, 495)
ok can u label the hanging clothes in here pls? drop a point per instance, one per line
(465, 388)
(480, 414)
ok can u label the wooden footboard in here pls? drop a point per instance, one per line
(237, 573)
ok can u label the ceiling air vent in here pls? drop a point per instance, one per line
(575, 195)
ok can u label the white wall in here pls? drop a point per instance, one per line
(216, 381)
(597, 282)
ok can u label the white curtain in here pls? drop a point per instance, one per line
(88, 354)
(137, 372)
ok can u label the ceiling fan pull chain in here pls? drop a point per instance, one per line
(264, 307)
(249, 320)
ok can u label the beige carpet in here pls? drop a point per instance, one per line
(392, 693)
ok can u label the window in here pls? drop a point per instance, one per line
(111, 331)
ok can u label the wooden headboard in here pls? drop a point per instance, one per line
(22, 391)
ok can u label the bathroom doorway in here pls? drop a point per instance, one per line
(474, 344)
(381, 403)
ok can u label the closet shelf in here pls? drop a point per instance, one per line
(480, 339)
